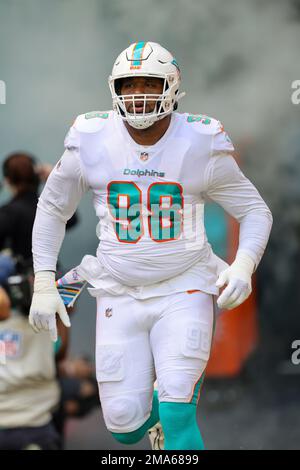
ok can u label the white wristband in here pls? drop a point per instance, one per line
(44, 280)
(244, 262)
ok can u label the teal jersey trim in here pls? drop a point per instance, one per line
(195, 398)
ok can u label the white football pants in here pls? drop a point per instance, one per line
(137, 341)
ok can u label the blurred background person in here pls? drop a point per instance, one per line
(23, 176)
(6, 269)
(29, 389)
(66, 386)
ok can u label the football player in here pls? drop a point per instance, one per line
(154, 276)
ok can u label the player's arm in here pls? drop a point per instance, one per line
(57, 203)
(229, 187)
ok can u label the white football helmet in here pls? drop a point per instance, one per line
(145, 59)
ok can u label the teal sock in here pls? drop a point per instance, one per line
(135, 436)
(179, 423)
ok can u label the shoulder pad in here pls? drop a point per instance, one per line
(91, 122)
(204, 124)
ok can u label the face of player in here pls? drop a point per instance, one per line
(141, 86)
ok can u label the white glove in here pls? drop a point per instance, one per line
(46, 302)
(238, 280)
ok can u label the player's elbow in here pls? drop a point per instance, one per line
(266, 212)
(49, 210)
(258, 215)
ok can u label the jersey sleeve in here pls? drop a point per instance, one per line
(65, 186)
(57, 203)
(72, 139)
(228, 186)
(221, 142)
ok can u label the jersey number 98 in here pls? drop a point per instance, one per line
(164, 211)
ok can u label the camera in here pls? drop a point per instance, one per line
(16, 277)
(19, 288)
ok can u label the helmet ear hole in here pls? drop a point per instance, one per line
(118, 85)
(175, 106)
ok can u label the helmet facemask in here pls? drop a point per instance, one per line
(163, 103)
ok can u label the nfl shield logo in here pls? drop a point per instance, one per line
(144, 156)
(10, 344)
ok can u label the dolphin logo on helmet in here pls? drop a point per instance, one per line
(146, 59)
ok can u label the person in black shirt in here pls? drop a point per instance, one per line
(23, 177)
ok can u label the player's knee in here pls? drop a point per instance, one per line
(124, 416)
(119, 412)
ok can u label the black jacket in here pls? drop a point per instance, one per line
(16, 222)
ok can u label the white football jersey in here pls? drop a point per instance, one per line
(150, 200)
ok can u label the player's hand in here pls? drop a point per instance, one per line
(238, 280)
(46, 302)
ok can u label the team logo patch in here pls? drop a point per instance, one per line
(96, 114)
(198, 118)
(12, 341)
(108, 312)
